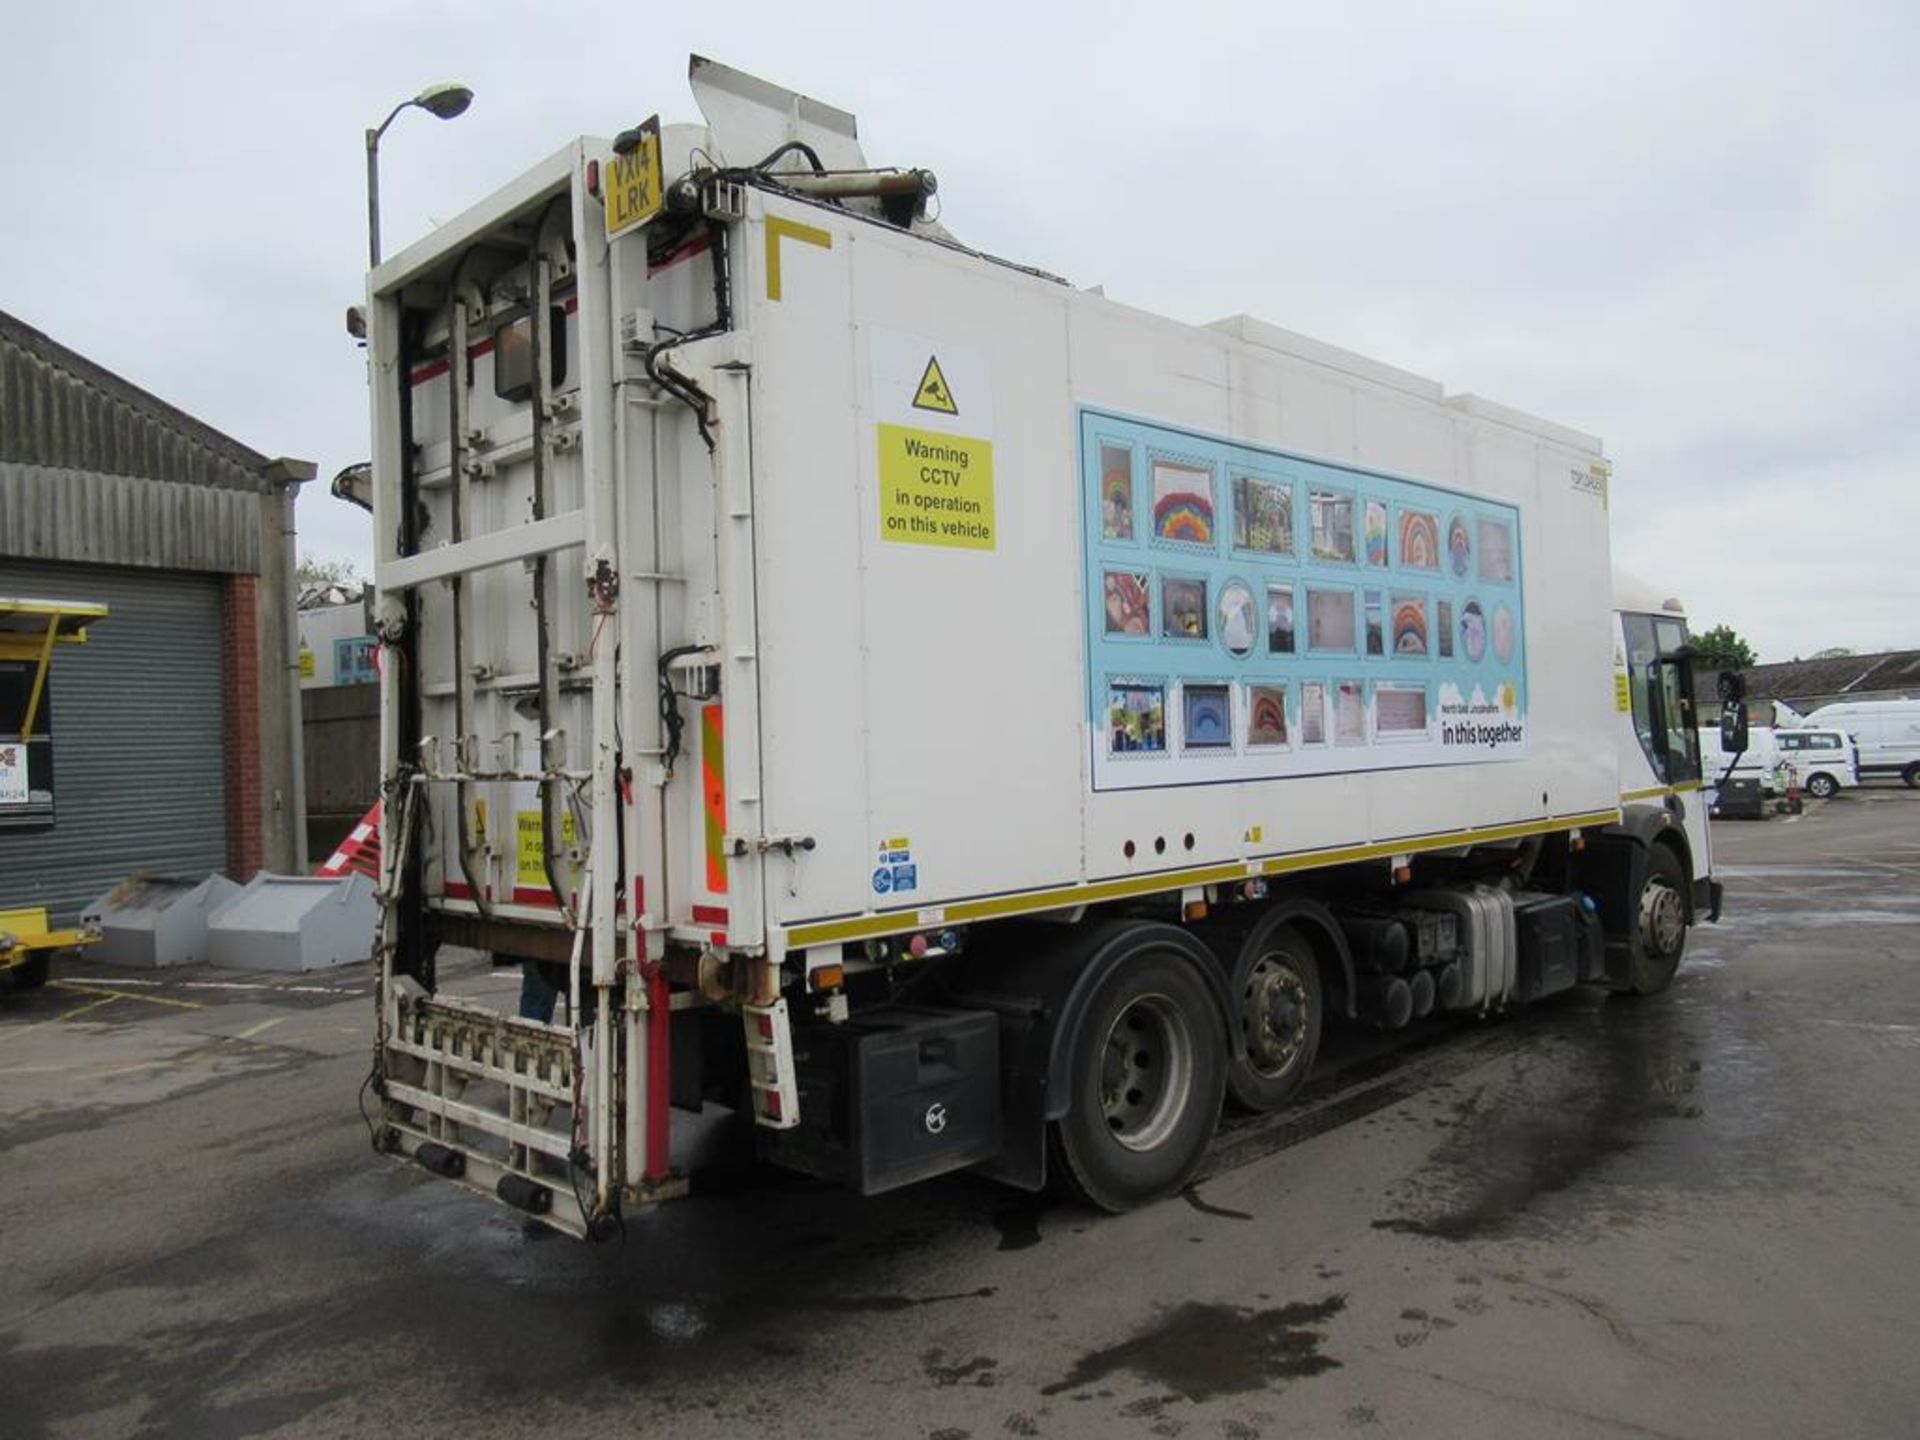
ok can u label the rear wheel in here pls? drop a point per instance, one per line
(1821, 787)
(1659, 923)
(1276, 993)
(1148, 1072)
(1912, 776)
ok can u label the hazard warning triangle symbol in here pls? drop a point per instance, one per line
(933, 393)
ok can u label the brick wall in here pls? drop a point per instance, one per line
(240, 723)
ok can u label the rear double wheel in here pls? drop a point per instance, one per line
(1278, 1004)
(1146, 1078)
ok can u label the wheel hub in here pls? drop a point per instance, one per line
(1273, 1015)
(1663, 918)
(1146, 1072)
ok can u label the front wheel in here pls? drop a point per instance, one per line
(31, 973)
(1659, 923)
(1821, 787)
(1148, 1073)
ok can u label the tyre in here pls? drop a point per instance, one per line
(1659, 923)
(1148, 1073)
(1912, 776)
(31, 973)
(1821, 787)
(1277, 998)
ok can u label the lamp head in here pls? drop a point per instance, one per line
(446, 101)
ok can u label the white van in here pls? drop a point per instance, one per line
(1827, 760)
(1887, 732)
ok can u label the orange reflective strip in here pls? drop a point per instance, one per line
(713, 785)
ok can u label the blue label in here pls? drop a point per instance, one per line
(882, 880)
(905, 877)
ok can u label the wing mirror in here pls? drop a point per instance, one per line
(1732, 689)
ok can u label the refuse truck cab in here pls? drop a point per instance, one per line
(951, 717)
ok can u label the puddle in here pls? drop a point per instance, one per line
(1204, 1351)
(1604, 1102)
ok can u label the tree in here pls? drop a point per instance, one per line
(326, 582)
(1832, 652)
(1721, 648)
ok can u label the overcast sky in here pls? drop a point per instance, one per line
(1691, 229)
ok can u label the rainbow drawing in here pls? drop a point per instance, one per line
(1182, 515)
(1459, 548)
(1419, 540)
(1409, 626)
(1267, 723)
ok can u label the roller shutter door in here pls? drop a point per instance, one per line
(139, 773)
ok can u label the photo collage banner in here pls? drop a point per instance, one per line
(1255, 615)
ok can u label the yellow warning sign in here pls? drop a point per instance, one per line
(530, 863)
(934, 393)
(935, 488)
(1622, 692)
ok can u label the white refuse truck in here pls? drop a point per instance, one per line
(951, 717)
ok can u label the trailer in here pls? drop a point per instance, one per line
(31, 631)
(952, 718)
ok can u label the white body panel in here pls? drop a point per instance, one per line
(940, 695)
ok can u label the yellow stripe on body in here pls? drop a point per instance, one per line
(871, 927)
(1655, 792)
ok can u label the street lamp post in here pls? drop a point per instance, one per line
(444, 101)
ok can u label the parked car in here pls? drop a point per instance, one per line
(1887, 732)
(1827, 760)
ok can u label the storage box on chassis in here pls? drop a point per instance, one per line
(892, 1097)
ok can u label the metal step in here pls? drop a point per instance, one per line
(483, 1098)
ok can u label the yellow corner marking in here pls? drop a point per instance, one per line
(933, 392)
(871, 927)
(100, 987)
(779, 228)
(68, 1015)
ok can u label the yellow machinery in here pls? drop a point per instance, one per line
(30, 631)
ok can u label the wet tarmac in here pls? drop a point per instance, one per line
(1689, 1216)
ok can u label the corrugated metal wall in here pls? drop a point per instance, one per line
(139, 779)
(58, 408)
(54, 514)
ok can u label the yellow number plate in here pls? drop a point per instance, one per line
(633, 182)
